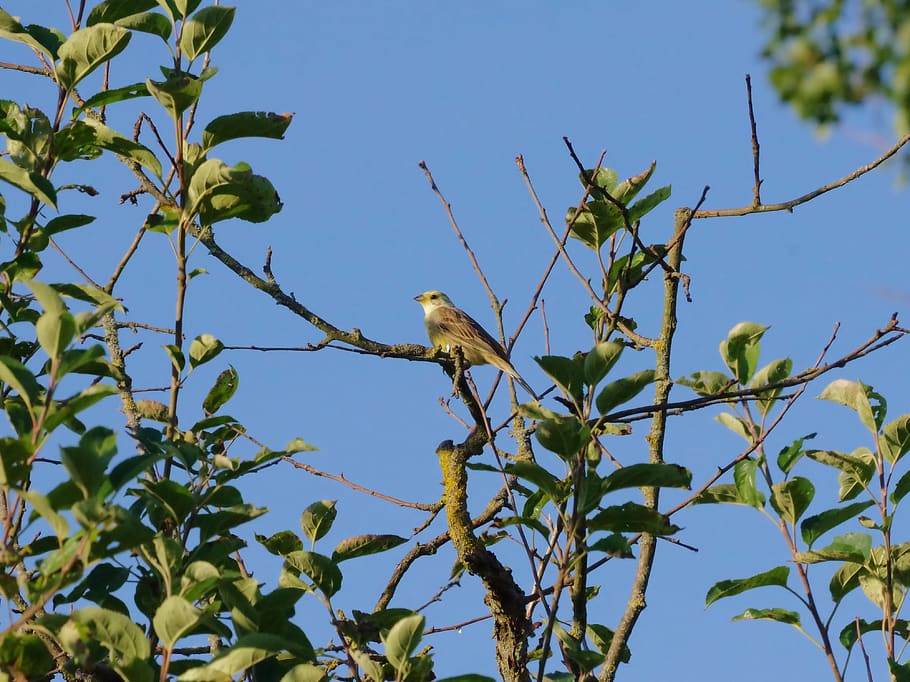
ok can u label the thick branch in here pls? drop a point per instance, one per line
(504, 598)
(663, 384)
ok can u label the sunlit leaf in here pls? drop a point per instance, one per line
(740, 350)
(728, 588)
(87, 49)
(814, 527)
(318, 518)
(364, 545)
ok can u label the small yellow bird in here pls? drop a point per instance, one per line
(448, 326)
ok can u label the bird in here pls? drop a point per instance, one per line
(449, 326)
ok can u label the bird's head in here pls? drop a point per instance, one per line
(431, 300)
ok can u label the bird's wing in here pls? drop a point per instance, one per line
(462, 330)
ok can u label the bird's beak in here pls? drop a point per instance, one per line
(418, 297)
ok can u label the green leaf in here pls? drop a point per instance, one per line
(895, 440)
(47, 297)
(178, 359)
(848, 635)
(629, 188)
(644, 206)
(707, 383)
(856, 469)
(223, 390)
(319, 568)
(176, 94)
(623, 390)
(737, 425)
(304, 672)
(814, 527)
(779, 615)
(728, 588)
(153, 410)
(15, 468)
(741, 348)
(56, 327)
(281, 543)
(179, 9)
(218, 192)
(772, 373)
(174, 619)
(110, 11)
(65, 410)
(372, 668)
(614, 545)
(55, 332)
(244, 654)
(317, 519)
(87, 462)
(299, 445)
(113, 96)
(604, 180)
(204, 30)
(87, 49)
(17, 375)
(852, 547)
(900, 672)
(26, 654)
(28, 181)
(219, 522)
(148, 22)
(855, 395)
(173, 497)
(43, 508)
(602, 636)
(791, 454)
(632, 518)
(901, 489)
(628, 270)
(204, 348)
(245, 124)
(402, 640)
(115, 631)
(11, 29)
(364, 545)
(536, 474)
(66, 222)
(791, 498)
(568, 373)
(845, 580)
(747, 492)
(601, 360)
(643, 474)
(725, 493)
(563, 435)
(595, 223)
(112, 141)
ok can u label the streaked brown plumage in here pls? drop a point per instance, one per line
(448, 326)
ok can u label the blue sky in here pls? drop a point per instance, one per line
(377, 87)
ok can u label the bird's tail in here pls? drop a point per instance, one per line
(512, 372)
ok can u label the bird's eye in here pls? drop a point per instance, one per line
(432, 296)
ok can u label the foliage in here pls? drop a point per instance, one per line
(132, 566)
(827, 55)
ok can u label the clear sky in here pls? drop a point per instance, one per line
(378, 86)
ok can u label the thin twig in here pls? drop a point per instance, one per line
(458, 233)
(545, 220)
(73, 264)
(793, 203)
(340, 478)
(756, 195)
